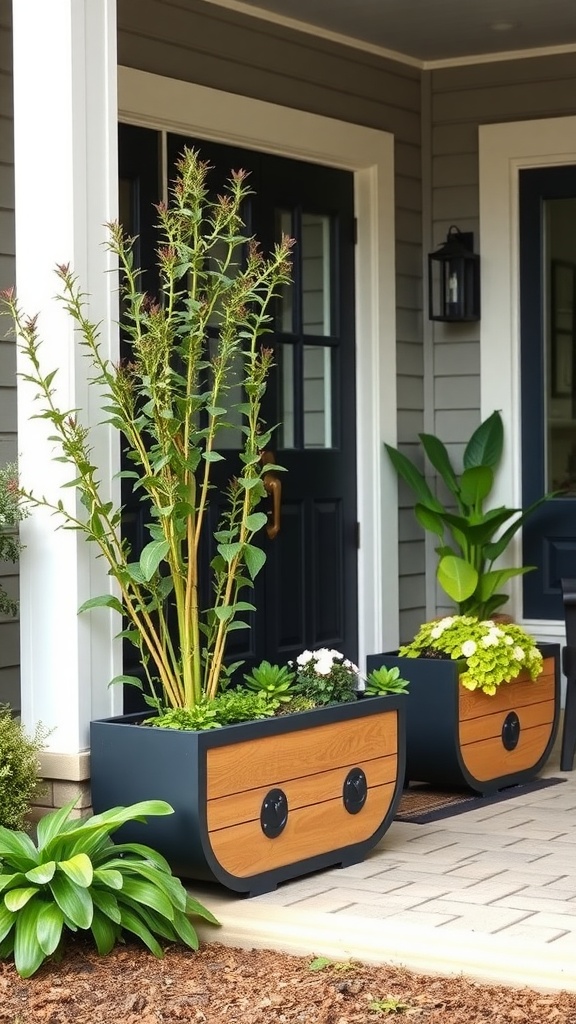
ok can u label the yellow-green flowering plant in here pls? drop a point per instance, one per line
(493, 653)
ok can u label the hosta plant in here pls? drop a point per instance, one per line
(193, 383)
(76, 879)
(490, 653)
(472, 537)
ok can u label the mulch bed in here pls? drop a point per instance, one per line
(220, 985)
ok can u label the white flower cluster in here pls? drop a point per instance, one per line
(324, 661)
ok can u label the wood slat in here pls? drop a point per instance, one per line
(509, 696)
(474, 729)
(244, 850)
(231, 810)
(273, 760)
(488, 759)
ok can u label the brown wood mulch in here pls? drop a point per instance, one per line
(219, 984)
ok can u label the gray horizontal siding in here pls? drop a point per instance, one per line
(225, 50)
(9, 634)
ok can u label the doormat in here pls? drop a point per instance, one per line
(421, 804)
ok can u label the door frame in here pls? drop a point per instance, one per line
(504, 150)
(173, 106)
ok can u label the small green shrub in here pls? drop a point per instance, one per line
(76, 878)
(12, 512)
(18, 768)
(227, 708)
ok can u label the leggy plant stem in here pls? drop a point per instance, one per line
(171, 403)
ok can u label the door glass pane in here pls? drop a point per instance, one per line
(560, 340)
(286, 414)
(316, 290)
(317, 381)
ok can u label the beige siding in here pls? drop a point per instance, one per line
(224, 50)
(9, 634)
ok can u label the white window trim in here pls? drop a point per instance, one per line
(503, 150)
(165, 103)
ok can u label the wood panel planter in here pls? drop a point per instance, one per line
(258, 803)
(458, 737)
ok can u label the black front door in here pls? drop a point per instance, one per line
(306, 596)
(548, 393)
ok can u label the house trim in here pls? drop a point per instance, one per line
(167, 104)
(381, 51)
(503, 150)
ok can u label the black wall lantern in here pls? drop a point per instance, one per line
(454, 279)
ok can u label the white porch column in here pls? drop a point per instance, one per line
(65, 119)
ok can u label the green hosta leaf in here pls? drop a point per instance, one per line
(109, 821)
(7, 920)
(140, 850)
(485, 446)
(51, 824)
(17, 849)
(104, 932)
(28, 953)
(112, 879)
(43, 873)
(107, 903)
(74, 900)
(15, 899)
(104, 601)
(185, 930)
(150, 895)
(133, 923)
(49, 927)
(437, 455)
(254, 558)
(12, 881)
(172, 887)
(151, 556)
(457, 577)
(78, 869)
(196, 908)
(475, 485)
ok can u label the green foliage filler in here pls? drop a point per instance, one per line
(173, 404)
(12, 511)
(385, 680)
(470, 537)
(18, 768)
(226, 708)
(76, 879)
(492, 653)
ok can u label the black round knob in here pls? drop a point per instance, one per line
(511, 731)
(354, 790)
(274, 813)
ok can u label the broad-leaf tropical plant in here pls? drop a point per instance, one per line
(76, 879)
(472, 538)
(172, 403)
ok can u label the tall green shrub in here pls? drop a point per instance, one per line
(18, 768)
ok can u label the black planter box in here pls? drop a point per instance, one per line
(261, 802)
(457, 737)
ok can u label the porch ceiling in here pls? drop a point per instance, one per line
(431, 30)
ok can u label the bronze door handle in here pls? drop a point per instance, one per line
(273, 486)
